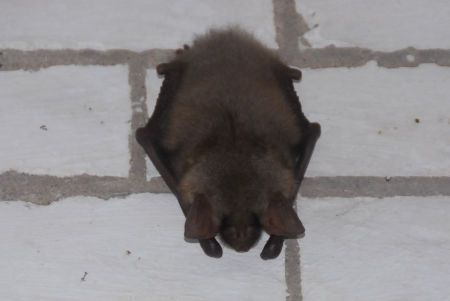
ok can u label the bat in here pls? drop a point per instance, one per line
(229, 138)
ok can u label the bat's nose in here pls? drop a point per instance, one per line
(242, 250)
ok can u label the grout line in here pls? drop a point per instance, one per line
(333, 57)
(290, 28)
(293, 269)
(45, 189)
(138, 95)
(33, 60)
(378, 187)
(328, 57)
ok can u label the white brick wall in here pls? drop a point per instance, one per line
(65, 120)
(368, 120)
(375, 249)
(379, 25)
(47, 250)
(136, 24)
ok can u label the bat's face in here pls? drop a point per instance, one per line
(240, 230)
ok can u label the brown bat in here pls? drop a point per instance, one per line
(229, 138)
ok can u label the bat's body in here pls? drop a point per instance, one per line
(230, 139)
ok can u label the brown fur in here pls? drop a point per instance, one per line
(232, 131)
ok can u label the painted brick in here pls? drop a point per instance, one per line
(369, 125)
(48, 249)
(379, 25)
(136, 24)
(372, 249)
(65, 120)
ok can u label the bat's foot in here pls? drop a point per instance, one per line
(211, 247)
(272, 247)
(179, 51)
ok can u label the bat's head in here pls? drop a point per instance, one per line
(240, 230)
(238, 197)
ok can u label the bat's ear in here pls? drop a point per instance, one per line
(201, 222)
(281, 219)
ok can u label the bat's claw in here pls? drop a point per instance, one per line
(165, 68)
(295, 73)
(211, 247)
(314, 129)
(162, 69)
(272, 247)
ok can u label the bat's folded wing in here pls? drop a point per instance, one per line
(150, 138)
(310, 134)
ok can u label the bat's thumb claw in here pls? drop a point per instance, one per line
(315, 129)
(211, 247)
